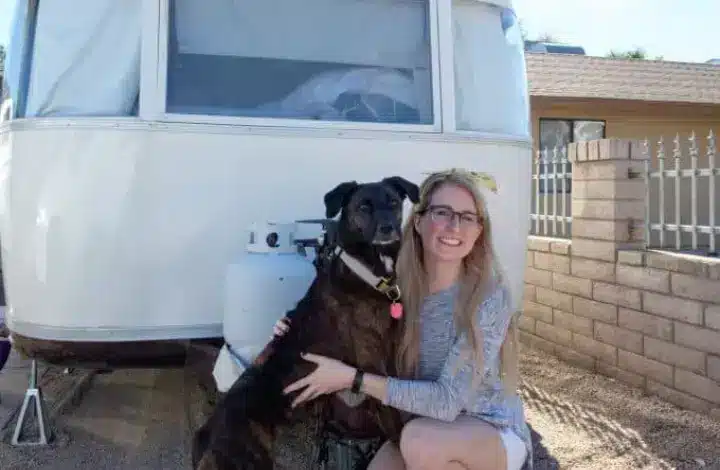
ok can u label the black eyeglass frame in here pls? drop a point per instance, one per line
(432, 211)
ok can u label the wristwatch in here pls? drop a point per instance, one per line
(357, 381)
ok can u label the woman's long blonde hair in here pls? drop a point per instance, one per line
(479, 266)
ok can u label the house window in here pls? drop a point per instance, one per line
(558, 133)
(325, 60)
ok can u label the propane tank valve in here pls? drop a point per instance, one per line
(272, 239)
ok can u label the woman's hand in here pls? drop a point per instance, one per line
(330, 376)
(281, 327)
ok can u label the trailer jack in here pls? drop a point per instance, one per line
(33, 394)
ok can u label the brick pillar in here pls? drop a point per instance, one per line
(608, 198)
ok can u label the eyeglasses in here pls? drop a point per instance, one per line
(446, 215)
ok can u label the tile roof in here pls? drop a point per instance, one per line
(579, 76)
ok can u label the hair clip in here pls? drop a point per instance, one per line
(486, 180)
(483, 179)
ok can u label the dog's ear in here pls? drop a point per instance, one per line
(404, 187)
(336, 198)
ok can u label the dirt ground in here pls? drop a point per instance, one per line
(584, 421)
(136, 420)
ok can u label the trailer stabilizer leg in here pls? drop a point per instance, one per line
(33, 394)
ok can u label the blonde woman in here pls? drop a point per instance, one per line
(458, 351)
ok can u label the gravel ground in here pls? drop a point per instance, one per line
(136, 420)
(586, 421)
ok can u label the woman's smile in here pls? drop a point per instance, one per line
(450, 241)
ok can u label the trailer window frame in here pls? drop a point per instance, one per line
(154, 75)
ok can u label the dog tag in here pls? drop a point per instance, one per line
(396, 310)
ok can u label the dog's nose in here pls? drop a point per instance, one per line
(386, 229)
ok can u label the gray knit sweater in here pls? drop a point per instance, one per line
(444, 389)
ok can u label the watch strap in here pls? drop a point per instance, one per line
(357, 381)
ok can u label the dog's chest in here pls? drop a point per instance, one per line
(362, 332)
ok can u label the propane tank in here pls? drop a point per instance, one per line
(260, 288)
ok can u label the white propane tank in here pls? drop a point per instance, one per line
(259, 290)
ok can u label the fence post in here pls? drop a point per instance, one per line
(608, 197)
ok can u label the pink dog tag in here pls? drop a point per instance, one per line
(396, 310)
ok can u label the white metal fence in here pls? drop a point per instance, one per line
(682, 214)
(551, 199)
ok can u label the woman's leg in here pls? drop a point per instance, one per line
(387, 458)
(466, 443)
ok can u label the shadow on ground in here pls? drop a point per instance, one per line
(542, 458)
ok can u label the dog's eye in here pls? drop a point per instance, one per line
(394, 203)
(364, 208)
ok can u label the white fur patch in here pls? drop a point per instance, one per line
(389, 265)
(351, 399)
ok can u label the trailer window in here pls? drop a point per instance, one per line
(85, 59)
(491, 91)
(11, 60)
(331, 60)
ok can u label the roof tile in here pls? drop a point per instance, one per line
(579, 76)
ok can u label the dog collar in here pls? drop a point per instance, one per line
(381, 284)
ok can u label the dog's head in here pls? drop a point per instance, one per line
(370, 213)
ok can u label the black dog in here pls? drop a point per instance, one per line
(345, 314)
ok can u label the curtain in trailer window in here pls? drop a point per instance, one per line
(341, 60)
(12, 69)
(491, 91)
(86, 58)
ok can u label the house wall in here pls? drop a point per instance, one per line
(630, 119)
(599, 300)
(651, 120)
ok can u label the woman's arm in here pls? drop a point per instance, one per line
(441, 399)
(446, 397)
(375, 386)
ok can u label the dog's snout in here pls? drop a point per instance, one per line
(386, 229)
(386, 232)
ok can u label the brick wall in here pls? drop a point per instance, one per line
(600, 300)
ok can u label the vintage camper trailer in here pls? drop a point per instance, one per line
(139, 141)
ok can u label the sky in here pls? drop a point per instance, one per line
(6, 12)
(679, 30)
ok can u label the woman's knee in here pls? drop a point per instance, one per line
(429, 444)
(387, 458)
(417, 445)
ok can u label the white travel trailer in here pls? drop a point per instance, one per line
(140, 139)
